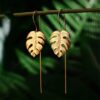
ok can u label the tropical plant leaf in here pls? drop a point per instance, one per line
(92, 72)
(34, 42)
(91, 60)
(95, 17)
(49, 62)
(60, 42)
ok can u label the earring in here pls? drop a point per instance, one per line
(35, 42)
(34, 45)
(60, 42)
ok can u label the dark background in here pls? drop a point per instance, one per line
(20, 72)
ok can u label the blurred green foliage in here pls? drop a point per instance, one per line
(20, 79)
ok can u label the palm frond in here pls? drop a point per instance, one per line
(9, 80)
(32, 65)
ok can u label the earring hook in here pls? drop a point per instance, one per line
(64, 22)
(59, 20)
(33, 17)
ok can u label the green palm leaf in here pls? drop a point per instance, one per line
(32, 65)
(12, 81)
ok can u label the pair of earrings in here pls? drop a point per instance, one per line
(59, 40)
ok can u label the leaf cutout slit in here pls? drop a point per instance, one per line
(37, 49)
(53, 42)
(28, 38)
(64, 37)
(34, 53)
(55, 49)
(40, 43)
(54, 36)
(31, 51)
(57, 54)
(63, 46)
(41, 38)
(61, 51)
(30, 46)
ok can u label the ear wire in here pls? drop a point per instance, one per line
(33, 17)
(58, 16)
